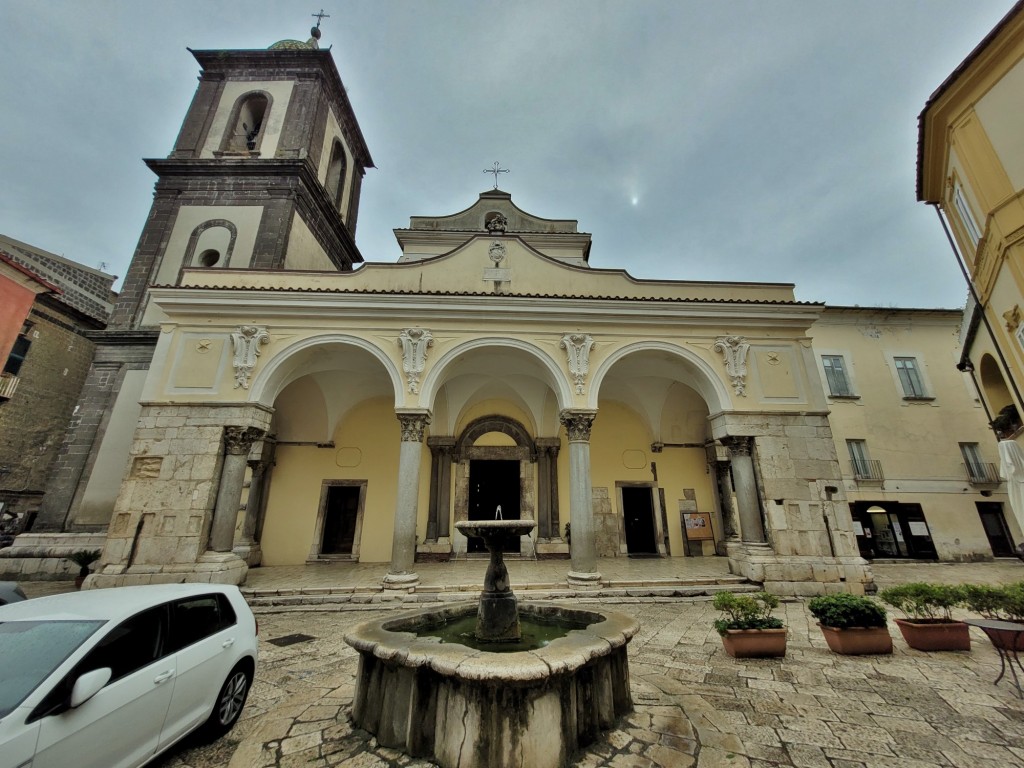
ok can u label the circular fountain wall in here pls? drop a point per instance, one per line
(469, 708)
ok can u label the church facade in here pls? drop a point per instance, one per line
(277, 405)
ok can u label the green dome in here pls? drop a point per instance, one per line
(294, 45)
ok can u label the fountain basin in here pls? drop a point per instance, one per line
(468, 708)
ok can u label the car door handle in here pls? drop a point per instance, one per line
(163, 676)
(228, 643)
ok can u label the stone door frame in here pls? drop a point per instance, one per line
(318, 528)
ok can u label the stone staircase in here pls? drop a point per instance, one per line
(610, 591)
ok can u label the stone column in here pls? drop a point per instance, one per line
(248, 546)
(583, 548)
(438, 517)
(751, 527)
(237, 443)
(547, 487)
(403, 548)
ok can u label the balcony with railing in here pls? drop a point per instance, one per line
(981, 473)
(8, 383)
(867, 470)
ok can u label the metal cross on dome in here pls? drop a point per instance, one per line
(320, 17)
(496, 170)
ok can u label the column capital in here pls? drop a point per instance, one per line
(549, 445)
(577, 423)
(239, 440)
(738, 445)
(441, 443)
(414, 423)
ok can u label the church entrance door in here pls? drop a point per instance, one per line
(341, 513)
(638, 511)
(493, 482)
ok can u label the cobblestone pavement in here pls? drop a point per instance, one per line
(694, 706)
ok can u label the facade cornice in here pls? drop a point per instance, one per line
(216, 303)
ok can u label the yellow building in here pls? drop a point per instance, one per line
(971, 168)
(920, 465)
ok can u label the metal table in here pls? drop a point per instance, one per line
(1007, 638)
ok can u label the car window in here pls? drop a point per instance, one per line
(130, 646)
(194, 618)
(31, 650)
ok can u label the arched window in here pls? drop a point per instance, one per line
(246, 127)
(993, 384)
(335, 181)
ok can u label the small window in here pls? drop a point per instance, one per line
(209, 258)
(963, 210)
(19, 351)
(910, 376)
(835, 374)
(977, 470)
(864, 468)
(199, 617)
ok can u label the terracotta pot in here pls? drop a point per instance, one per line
(754, 643)
(857, 641)
(935, 634)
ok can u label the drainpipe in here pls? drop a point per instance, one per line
(963, 365)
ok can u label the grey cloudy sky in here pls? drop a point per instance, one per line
(754, 141)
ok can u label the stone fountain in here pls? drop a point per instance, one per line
(493, 697)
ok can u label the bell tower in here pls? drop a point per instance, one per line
(265, 174)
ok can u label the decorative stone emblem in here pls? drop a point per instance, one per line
(773, 358)
(413, 426)
(496, 252)
(146, 466)
(414, 343)
(497, 223)
(1012, 318)
(203, 346)
(577, 348)
(246, 341)
(577, 424)
(734, 349)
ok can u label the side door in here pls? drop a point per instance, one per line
(120, 726)
(203, 637)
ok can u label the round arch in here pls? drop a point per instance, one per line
(706, 381)
(278, 373)
(435, 377)
(503, 424)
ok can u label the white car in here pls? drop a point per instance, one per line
(110, 678)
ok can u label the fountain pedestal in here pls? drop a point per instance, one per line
(498, 616)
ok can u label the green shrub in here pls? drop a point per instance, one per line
(1005, 602)
(844, 610)
(743, 611)
(919, 600)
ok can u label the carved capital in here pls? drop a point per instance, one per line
(734, 349)
(238, 441)
(441, 445)
(738, 445)
(578, 424)
(577, 348)
(413, 425)
(548, 445)
(246, 341)
(414, 343)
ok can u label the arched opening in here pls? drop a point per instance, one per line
(336, 170)
(209, 258)
(246, 128)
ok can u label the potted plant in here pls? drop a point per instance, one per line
(1003, 603)
(83, 558)
(852, 624)
(1007, 422)
(747, 627)
(929, 624)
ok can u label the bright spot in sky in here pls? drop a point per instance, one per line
(635, 200)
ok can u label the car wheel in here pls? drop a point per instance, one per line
(229, 704)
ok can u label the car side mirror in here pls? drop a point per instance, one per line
(88, 685)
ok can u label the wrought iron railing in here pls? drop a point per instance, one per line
(867, 469)
(981, 472)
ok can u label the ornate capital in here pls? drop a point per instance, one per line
(734, 349)
(238, 441)
(413, 425)
(738, 445)
(548, 445)
(246, 341)
(577, 348)
(441, 444)
(578, 424)
(414, 343)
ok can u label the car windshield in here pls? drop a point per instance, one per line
(31, 650)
